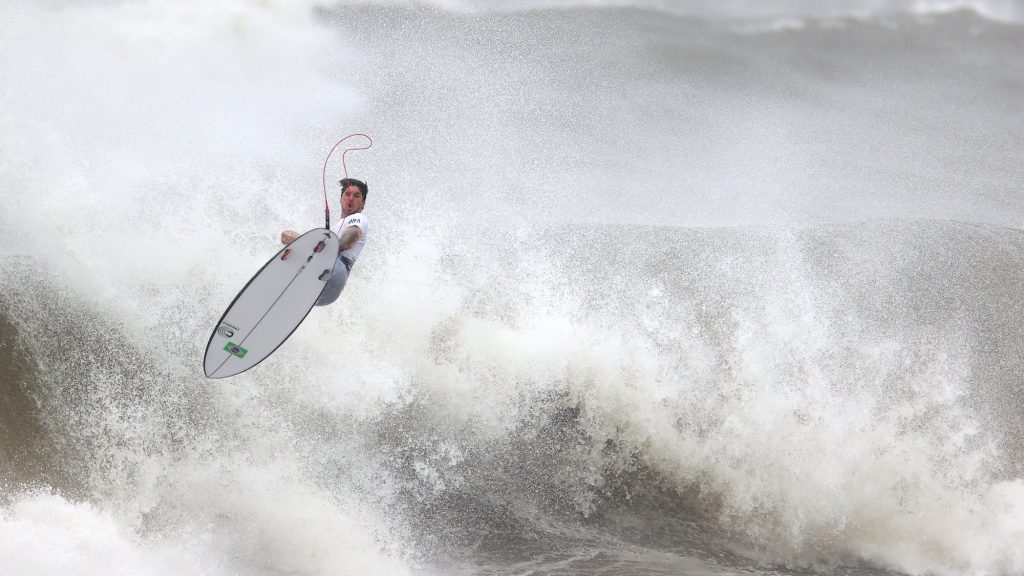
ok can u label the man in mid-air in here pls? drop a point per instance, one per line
(351, 230)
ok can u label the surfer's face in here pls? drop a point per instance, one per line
(352, 200)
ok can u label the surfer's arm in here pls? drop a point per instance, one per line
(349, 236)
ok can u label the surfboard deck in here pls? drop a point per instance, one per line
(271, 305)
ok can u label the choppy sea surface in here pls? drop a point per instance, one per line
(653, 288)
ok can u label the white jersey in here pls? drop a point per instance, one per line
(360, 221)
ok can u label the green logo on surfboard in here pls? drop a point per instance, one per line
(235, 350)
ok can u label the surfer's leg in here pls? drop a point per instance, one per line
(337, 281)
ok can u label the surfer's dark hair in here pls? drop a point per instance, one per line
(346, 182)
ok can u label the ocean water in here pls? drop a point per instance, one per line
(654, 287)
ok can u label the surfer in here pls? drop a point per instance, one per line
(351, 230)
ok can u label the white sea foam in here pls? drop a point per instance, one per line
(150, 179)
(225, 527)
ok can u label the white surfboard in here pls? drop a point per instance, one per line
(272, 305)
